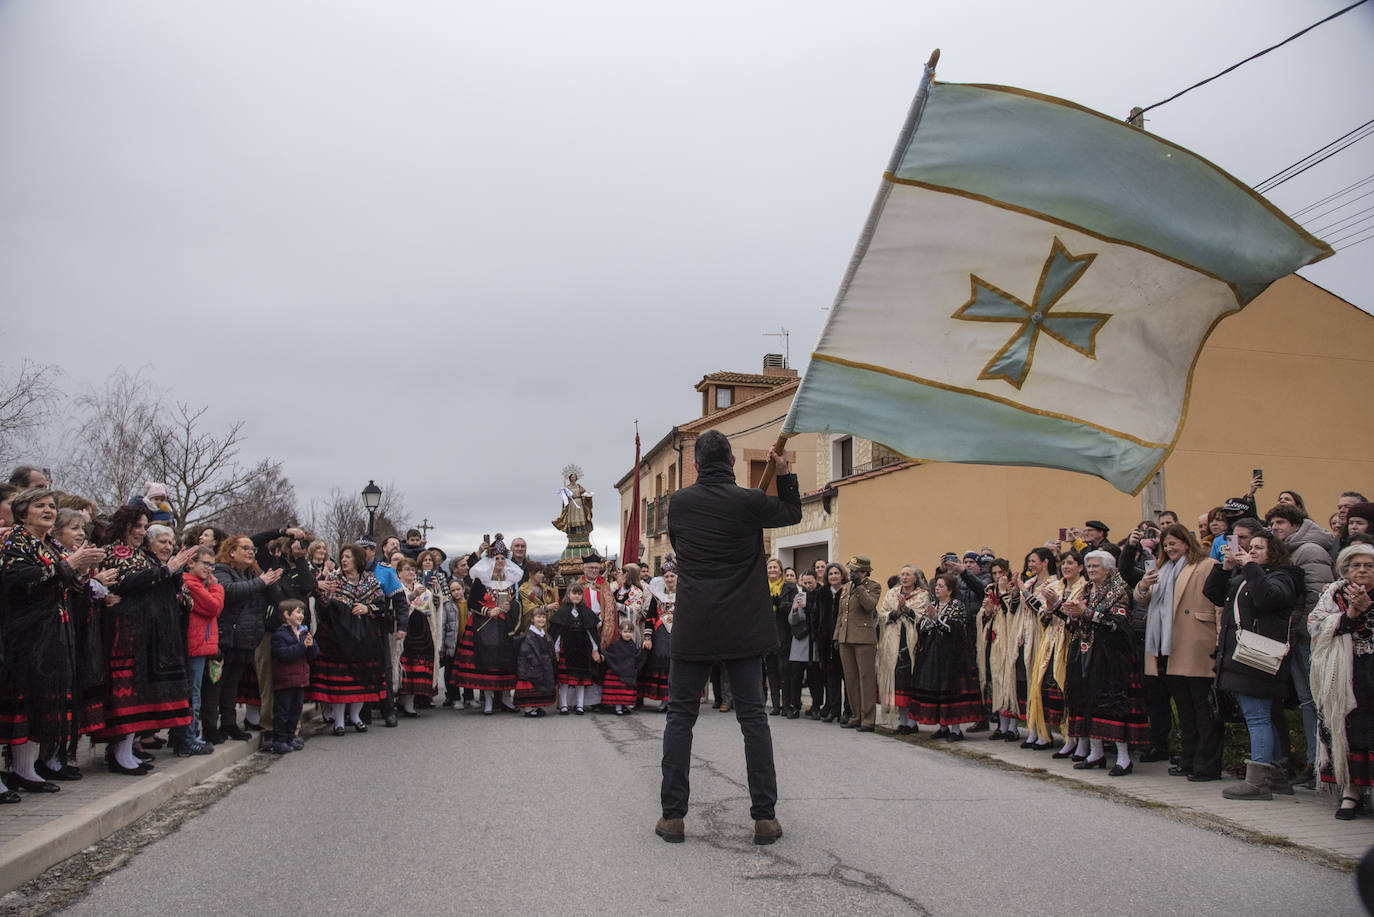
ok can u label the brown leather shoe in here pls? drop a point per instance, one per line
(670, 829)
(766, 831)
(724, 708)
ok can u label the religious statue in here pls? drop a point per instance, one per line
(576, 517)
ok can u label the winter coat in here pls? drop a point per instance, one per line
(856, 619)
(1196, 624)
(1266, 600)
(716, 527)
(291, 658)
(244, 619)
(782, 606)
(534, 662)
(1310, 548)
(207, 602)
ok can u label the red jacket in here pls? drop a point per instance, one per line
(207, 601)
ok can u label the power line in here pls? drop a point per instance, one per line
(1326, 213)
(1353, 217)
(1333, 195)
(1302, 165)
(1356, 242)
(1251, 57)
(1348, 233)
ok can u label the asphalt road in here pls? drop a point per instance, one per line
(456, 813)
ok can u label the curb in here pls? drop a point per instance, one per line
(36, 851)
(1122, 795)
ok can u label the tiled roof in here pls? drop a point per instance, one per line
(730, 378)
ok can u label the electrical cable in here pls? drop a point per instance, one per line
(1333, 195)
(1348, 233)
(1339, 223)
(1293, 170)
(1356, 242)
(1252, 57)
(1326, 213)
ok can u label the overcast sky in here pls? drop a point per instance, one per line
(478, 241)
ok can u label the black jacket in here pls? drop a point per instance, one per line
(243, 622)
(1266, 600)
(782, 607)
(534, 662)
(716, 527)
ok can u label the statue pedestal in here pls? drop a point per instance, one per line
(570, 561)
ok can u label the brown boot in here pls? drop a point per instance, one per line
(1256, 785)
(766, 831)
(1278, 780)
(671, 830)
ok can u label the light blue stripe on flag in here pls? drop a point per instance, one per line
(1069, 164)
(926, 422)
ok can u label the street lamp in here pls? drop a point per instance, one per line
(372, 498)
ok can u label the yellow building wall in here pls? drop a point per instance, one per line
(1276, 387)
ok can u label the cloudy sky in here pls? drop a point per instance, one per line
(478, 241)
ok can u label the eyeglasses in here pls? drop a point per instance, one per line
(1360, 565)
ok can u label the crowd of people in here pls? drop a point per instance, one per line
(115, 629)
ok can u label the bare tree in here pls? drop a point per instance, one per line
(341, 518)
(268, 501)
(27, 397)
(200, 468)
(107, 448)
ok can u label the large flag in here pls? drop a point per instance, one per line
(629, 553)
(1033, 286)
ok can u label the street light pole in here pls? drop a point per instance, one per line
(372, 498)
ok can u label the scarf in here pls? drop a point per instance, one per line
(775, 587)
(1159, 622)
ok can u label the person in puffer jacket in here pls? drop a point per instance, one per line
(202, 633)
(1310, 545)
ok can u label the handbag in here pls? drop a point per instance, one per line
(1256, 650)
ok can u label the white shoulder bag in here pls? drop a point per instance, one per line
(1256, 650)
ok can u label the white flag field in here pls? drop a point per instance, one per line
(1033, 286)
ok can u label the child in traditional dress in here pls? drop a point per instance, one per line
(292, 650)
(620, 687)
(653, 678)
(534, 687)
(575, 629)
(417, 647)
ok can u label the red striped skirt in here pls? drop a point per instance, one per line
(962, 704)
(126, 712)
(466, 674)
(653, 682)
(901, 699)
(14, 724)
(527, 696)
(417, 677)
(336, 683)
(566, 677)
(250, 692)
(615, 692)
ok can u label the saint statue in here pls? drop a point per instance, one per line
(576, 517)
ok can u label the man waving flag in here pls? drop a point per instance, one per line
(1033, 286)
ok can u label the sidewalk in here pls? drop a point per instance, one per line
(45, 829)
(1304, 820)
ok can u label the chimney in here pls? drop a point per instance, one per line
(775, 365)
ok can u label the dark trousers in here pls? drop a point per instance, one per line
(834, 685)
(1201, 733)
(685, 683)
(237, 662)
(773, 666)
(286, 713)
(796, 672)
(1157, 706)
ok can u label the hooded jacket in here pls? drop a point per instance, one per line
(724, 610)
(1310, 548)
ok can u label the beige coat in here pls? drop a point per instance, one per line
(854, 620)
(1197, 625)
